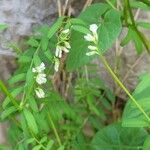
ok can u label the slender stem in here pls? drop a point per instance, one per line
(54, 129)
(24, 97)
(110, 3)
(127, 10)
(122, 86)
(37, 141)
(4, 89)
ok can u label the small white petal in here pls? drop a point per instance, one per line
(60, 53)
(42, 67)
(92, 47)
(67, 45)
(39, 68)
(89, 37)
(34, 70)
(41, 78)
(91, 53)
(93, 28)
(57, 51)
(65, 31)
(56, 65)
(65, 49)
(40, 93)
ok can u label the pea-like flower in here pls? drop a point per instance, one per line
(93, 28)
(39, 68)
(40, 93)
(66, 31)
(61, 47)
(41, 78)
(56, 65)
(93, 37)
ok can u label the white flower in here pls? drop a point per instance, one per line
(41, 78)
(56, 65)
(91, 53)
(89, 38)
(92, 47)
(65, 31)
(93, 28)
(39, 68)
(67, 45)
(58, 52)
(64, 49)
(40, 93)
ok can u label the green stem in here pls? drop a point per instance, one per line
(54, 129)
(24, 97)
(127, 10)
(37, 141)
(110, 3)
(122, 86)
(4, 89)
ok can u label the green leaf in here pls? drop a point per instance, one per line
(133, 36)
(24, 59)
(146, 145)
(17, 78)
(36, 60)
(29, 81)
(44, 139)
(7, 112)
(3, 27)
(95, 11)
(81, 29)
(77, 21)
(38, 147)
(54, 28)
(44, 43)
(77, 55)
(29, 141)
(33, 104)
(30, 121)
(115, 137)
(145, 25)
(3, 147)
(14, 93)
(8, 94)
(61, 148)
(132, 116)
(141, 5)
(109, 29)
(33, 42)
(127, 38)
(49, 145)
(48, 55)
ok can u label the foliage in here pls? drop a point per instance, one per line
(56, 99)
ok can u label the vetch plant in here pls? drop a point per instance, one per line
(56, 99)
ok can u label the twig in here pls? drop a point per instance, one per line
(116, 79)
(59, 8)
(65, 7)
(128, 11)
(55, 130)
(88, 3)
(110, 3)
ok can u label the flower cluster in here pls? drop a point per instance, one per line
(62, 46)
(93, 37)
(40, 79)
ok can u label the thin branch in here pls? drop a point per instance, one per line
(88, 3)
(116, 79)
(59, 8)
